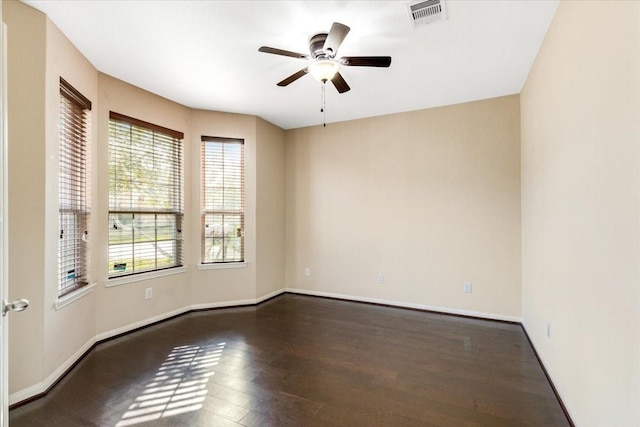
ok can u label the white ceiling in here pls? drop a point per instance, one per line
(204, 54)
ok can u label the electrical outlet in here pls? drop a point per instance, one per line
(148, 293)
(380, 279)
(307, 272)
(467, 287)
(548, 330)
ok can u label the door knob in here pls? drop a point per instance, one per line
(17, 305)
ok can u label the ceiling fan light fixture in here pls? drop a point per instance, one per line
(324, 69)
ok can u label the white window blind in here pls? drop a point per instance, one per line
(73, 195)
(145, 196)
(222, 219)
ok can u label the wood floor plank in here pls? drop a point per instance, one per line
(297, 360)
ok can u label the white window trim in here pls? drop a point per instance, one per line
(77, 177)
(117, 281)
(73, 296)
(214, 265)
(221, 265)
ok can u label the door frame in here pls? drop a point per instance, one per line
(4, 341)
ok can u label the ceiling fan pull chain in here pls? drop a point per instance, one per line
(323, 101)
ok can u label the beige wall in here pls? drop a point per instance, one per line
(123, 305)
(580, 209)
(270, 241)
(26, 157)
(228, 284)
(73, 326)
(430, 199)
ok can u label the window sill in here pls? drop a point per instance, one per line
(117, 281)
(73, 296)
(222, 266)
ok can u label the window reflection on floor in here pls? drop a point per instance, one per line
(179, 386)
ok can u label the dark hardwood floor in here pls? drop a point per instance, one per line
(306, 361)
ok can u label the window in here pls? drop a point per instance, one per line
(145, 196)
(73, 198)
(222, 220)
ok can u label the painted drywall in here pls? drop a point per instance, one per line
(270, 216)
(228, 284)
(581, 209)
(430, 199)
(72, 326)
(26, 32)
(118, 306)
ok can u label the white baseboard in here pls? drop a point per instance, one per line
(112, 333)
(553, 377)
(36, 389)
(223, 304)
(235, 303)
(270, 295)
(403, 304)
(43, 386)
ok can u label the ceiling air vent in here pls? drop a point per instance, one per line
(426, 12)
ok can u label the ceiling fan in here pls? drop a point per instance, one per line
(323, 48)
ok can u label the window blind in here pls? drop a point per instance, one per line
(73, 195)
(145, 196)
(222, 218)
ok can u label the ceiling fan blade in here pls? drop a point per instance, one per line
(336, 36)
(293, 77)
(366, 61)
(340, 84)
(275, 51)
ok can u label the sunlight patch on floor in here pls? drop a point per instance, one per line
(179, 386)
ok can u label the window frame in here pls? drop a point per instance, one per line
(207, 262)
(161, 138)
(74, 199)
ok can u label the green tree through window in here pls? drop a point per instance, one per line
(222, 220)
(145, 197)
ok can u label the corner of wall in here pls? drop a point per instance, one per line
(270, 209)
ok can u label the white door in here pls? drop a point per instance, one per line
(4, 366)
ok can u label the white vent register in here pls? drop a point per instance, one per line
(427, 12)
